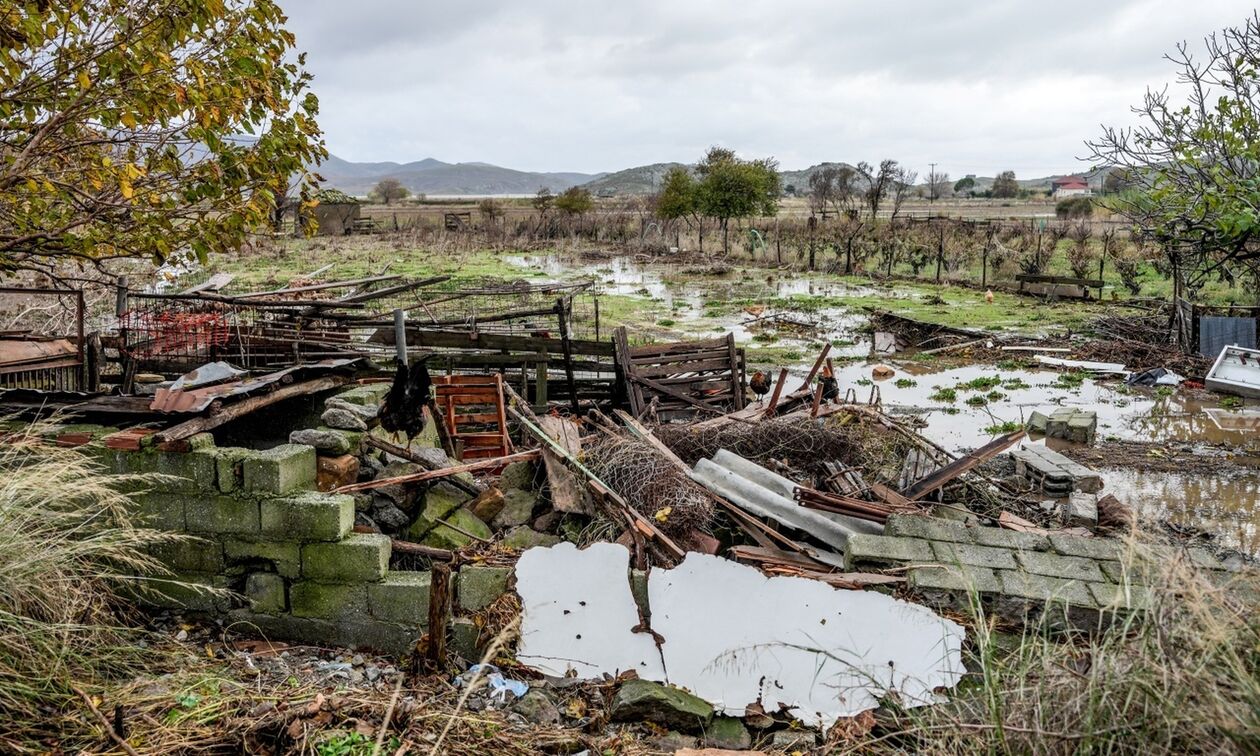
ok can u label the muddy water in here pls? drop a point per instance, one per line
(1228, 503)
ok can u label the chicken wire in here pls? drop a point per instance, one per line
(650, 484)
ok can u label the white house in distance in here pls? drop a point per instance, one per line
(1069, 186)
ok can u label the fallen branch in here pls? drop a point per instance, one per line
(445, 472)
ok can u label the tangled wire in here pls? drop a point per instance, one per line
(649, 483)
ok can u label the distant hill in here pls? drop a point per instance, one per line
(430, 176)
(644, 179)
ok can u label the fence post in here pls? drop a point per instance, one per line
(400, 335)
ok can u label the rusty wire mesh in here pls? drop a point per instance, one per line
(651, 484)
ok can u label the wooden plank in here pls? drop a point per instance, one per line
(722, 364)
(626, 365)
(242, 408)
(732, 356)
(778, 389)
(423, 337)
(961, 465)
(682, 346)
(669, 391)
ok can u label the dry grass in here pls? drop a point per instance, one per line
(1183, 677)
(67, 543)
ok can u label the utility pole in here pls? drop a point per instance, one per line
(932, 183)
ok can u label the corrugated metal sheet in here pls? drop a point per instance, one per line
(1216, 333)
(764, 493)
(171, 399)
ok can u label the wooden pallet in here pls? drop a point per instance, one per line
(473, 413)
(683, 377)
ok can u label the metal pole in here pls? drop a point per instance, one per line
(120, 300)
(400, 335)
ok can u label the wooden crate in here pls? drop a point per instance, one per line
(473, 413)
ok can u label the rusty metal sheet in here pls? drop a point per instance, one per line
(15, 352)
(170, 399)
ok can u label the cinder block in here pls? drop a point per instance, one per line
(401, 597)
(1010, 539)
(931, 528)
(977, 556)
(190, 555)
(285, 558)
(384, 637)
(965, 579)
(873, 551)
(1044, 588)
(479, 585)
(444, 536)
(465, 638)
(1080, 510)
(369, 393)
(160, 511)
(214, 513)
(1132, 597)
(230, 468)
(357, 557)
(284, 468)
(1054, 565)
(328, 600)
(265, 591)
(194, 592)
(308, 517)
(1091, 548)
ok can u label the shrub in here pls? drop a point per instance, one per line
(1074, 207)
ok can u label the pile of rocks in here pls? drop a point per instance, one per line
(450, 513)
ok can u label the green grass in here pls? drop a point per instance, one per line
(944, 395)
(905, 383)
(1009, 426)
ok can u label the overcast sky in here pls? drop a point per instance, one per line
(977, 86)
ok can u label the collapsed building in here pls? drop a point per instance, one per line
(396, 464)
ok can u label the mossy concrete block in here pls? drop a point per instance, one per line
(284, 558)
(186, 472)
(1044, 588)
(439, 502)
(265, 592)
(443, 536)
(190, 591)
(478, 585)
(518, 508)
(307, 517)
(673, 708)
(1090, 548)
(324, 440)
(873, 551)
(1009, 539)
(160, 511)
(190, 555)
(930, 528)
(383, 637)
(465, 638)
(334, 601)
(230, 468)
(279, 470)
(215, 513)
(971, 554)
(523, 537)
(357, 557)
(1054, 565)
(401, 597)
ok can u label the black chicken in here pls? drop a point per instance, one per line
(403, 407)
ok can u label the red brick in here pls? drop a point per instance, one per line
(127, 440)
(74, 439)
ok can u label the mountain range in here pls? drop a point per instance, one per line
(434, 177)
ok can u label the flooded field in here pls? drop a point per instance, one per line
(964, 406)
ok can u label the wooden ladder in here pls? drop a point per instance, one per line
(473, 413)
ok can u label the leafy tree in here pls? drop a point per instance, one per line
(389, 190)
(543, 200)
(134, 128)
(1194, 165)
(679, 198)
(965, 184)
(1005, 186)
(575, 201)
(733, 188)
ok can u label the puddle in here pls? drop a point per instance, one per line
(1230, 505)
(1227, 505)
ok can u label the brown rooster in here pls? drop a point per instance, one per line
(760, 384)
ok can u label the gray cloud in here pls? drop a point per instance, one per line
(977, 86)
